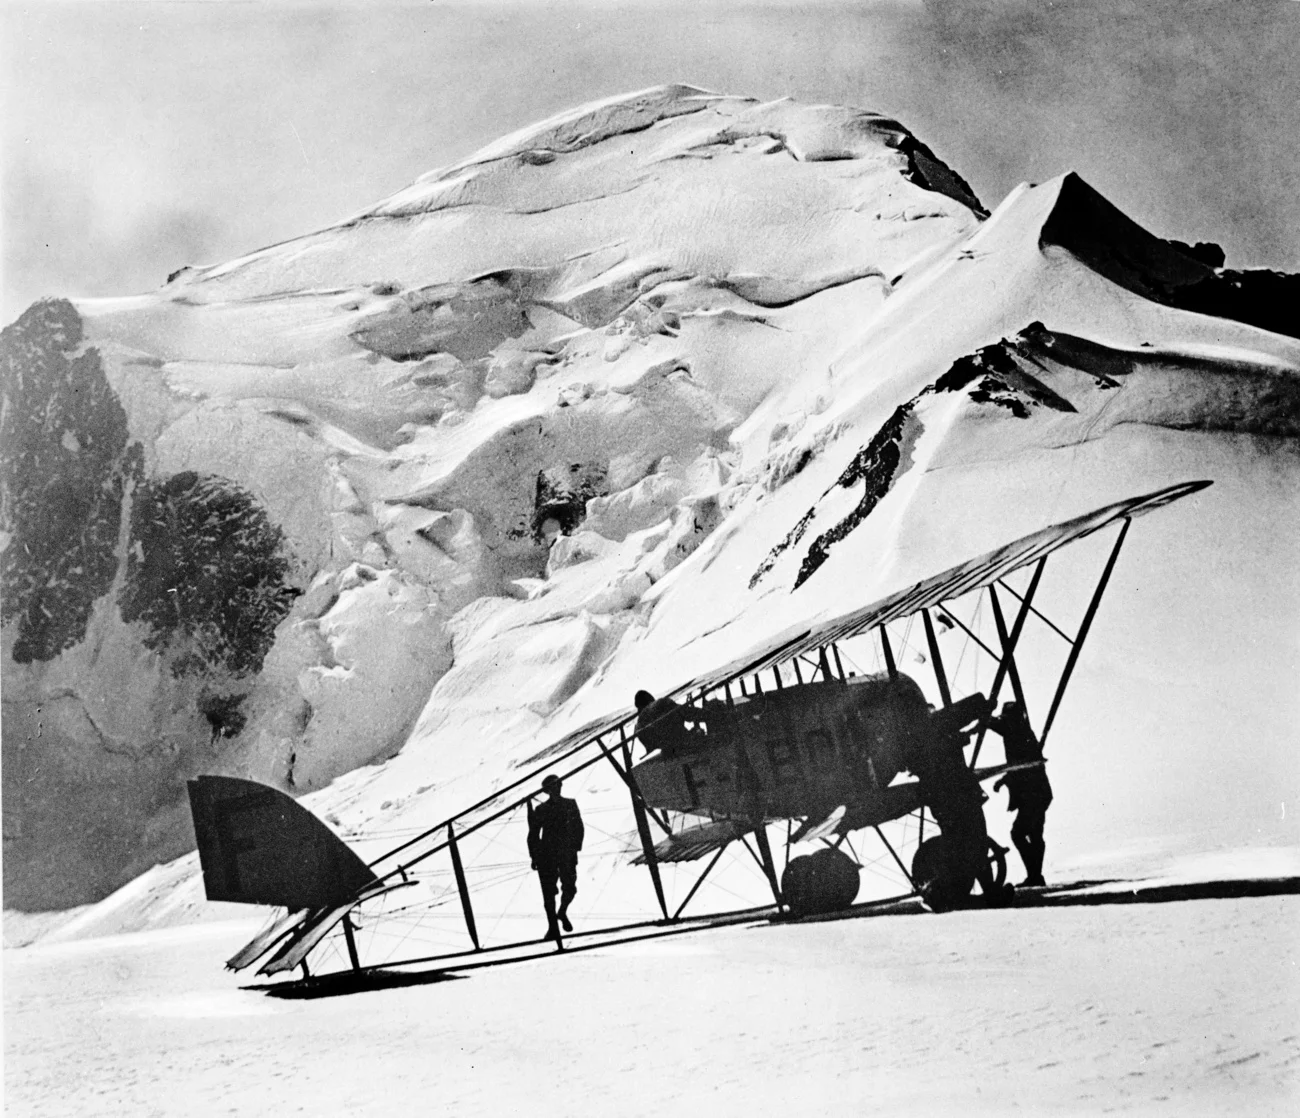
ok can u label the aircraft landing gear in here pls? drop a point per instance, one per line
(945, 881)
(826, 881)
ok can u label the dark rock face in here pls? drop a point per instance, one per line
(65, 464)
(929, 172)
(996, 376)
(89, 798)
(207, 572)
(562, 496)
(1256, 296)
(1189, 277)
(875, 465)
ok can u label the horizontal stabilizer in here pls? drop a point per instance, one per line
(305, 936)
(259, 846)
(265, 940)
(316, 926)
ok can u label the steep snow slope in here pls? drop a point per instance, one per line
(593, 410)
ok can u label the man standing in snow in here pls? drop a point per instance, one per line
(555, 834)
(1028, 790)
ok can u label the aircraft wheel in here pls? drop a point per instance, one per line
(826, 881)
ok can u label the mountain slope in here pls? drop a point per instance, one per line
(594, 410)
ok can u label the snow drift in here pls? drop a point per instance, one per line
(384, 509)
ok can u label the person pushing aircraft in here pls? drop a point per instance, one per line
(1029, 792)
(952, 793)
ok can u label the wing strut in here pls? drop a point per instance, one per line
(939, 675)
(1083, 631)
(769, 865)
(351, 941)
(1008, 651)
(642, 824)
(699, 881)
(890, 847)
(1004, 640)
(462, 886)
(890, 666)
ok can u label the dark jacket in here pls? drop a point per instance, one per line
(1026, 788)
(662, 726)
(555, 831)
(948, 787)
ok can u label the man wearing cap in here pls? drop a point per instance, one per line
(1029, 792)
(555, 834)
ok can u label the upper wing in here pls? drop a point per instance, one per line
(974, 574)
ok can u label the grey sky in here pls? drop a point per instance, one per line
(142, 136)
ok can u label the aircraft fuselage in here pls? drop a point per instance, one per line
(803, 751)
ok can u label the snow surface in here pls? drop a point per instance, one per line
(1178, 1009)
(688, 314)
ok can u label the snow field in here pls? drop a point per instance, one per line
(1178, 1009)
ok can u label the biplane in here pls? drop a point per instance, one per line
(828, 752)
(808, 739)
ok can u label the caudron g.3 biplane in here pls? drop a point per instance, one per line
(796, 737)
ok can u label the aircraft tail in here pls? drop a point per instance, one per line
(257, 845)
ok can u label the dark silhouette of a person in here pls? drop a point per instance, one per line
(952, 793)
(555, 834)
(1029, 793)
(661, 724)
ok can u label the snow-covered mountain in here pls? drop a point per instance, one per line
(383, 509)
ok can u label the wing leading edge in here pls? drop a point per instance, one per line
(974, 574)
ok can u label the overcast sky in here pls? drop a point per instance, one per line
(142, 136)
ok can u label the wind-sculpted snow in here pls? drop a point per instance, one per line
(598, 408)
(634, 191)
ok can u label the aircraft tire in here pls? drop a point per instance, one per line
(826, 881)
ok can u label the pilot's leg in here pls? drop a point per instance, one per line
(547, 872)
(568, 890)
(1037, 821)
(1027, 834)
(1022, 836)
